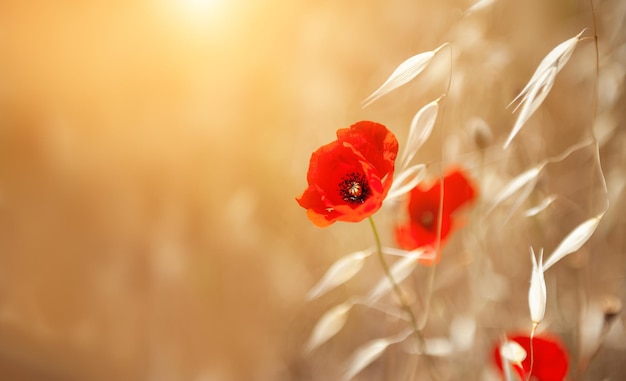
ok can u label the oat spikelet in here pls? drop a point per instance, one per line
(403, 74)
(574, 240)
(328, 325)
(421, 127)
(537, 292)
(539, 85)
(340, 272)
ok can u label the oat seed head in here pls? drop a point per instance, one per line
(403, 74)
(537, 292)
(328, 325)
(421, 127)
(340, 272)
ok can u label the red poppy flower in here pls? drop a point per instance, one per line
(350, 177)
(421, 229)
(550, 360)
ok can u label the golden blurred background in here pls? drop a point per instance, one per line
(151, 151)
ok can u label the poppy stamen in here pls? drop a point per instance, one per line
(427, 219)
(354, 188)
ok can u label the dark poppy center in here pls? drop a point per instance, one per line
(427, 219)
(354, 188)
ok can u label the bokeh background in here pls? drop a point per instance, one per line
(151, 151)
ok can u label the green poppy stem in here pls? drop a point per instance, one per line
(396, 289)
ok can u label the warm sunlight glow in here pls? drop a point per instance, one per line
(197, 18)
(202, 6)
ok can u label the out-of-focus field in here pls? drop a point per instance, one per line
(151, 151)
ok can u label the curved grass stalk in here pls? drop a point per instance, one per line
(396, 288)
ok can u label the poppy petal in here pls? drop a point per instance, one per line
(458, 191)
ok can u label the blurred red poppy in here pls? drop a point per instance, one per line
(349, 178)
(550, 361)
(421, 229)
